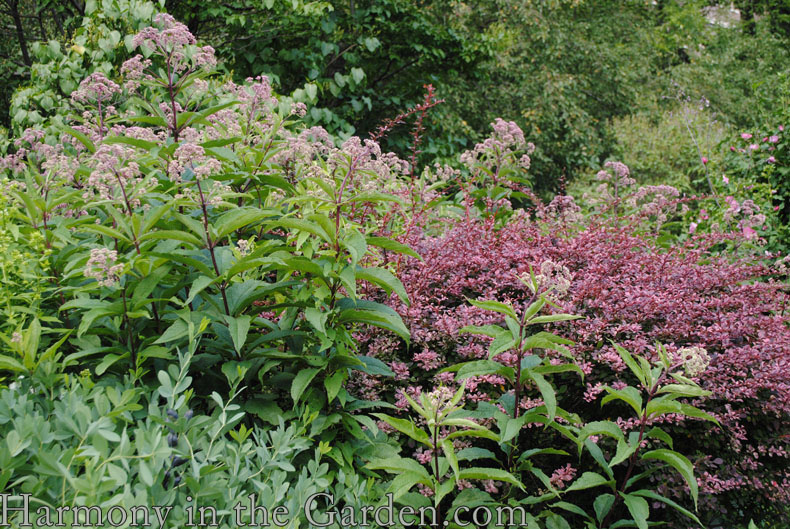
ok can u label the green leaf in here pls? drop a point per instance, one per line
(373, 366)
(239, 327)
(546, 391)
(658, 433)
(607, 428)
(203, 114)
(311, 90)
(393, 246)
(105, 230)
(684, 390)
(690, 411)
(624, 451)
(145, 287)
(680, 463)
(333, 385)
(316, 318)
(402, 483)
(135, 142)
(145, 474)
(512, 428)
(589, 480)
(474, 453)
(495, 306)
(356, 245)
(357, 74)
(489, 473)
(11, 364)
(301, 225)
(602, 505)
(449, 452)
(176, 331)
(300, 383)
(628, 394)
(478, 368)
(385, 279)
(553, 318)
(655, 496)
(492, 331)
(631, 363)
(486, 434)
(172, 235)
(390, 321)
(555, 521)
(406, 427)
(82, 138)
(398, 465)
(197, 286)
(638, 508)
(235, 219)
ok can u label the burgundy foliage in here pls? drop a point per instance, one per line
(629, 290)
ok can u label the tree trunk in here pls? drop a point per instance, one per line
(13, 6)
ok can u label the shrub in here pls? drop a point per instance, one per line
(632, 290)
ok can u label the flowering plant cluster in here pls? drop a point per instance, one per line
(756, 163)
(722, 314)
(197, 238)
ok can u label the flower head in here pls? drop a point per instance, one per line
(95, 88)
(695, 360)
(101, 266)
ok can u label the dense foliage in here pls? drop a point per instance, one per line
(211, 300)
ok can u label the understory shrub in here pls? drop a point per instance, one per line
(708, 293)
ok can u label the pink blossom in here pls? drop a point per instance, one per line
(746, 136)
(704, 160)
(101, 266)
(562, 476)
(95, 88)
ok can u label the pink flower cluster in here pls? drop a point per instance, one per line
(96, 88)
(498, 151)
(102, 267)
